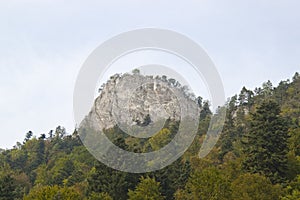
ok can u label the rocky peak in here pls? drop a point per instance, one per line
(137, 100)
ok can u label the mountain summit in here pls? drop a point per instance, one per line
(136, 100)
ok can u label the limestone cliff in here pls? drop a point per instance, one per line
(137, 100)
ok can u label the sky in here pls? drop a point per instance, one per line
(43, 44)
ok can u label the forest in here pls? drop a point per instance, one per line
(256, 158)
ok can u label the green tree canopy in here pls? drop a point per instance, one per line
(266, 144)
(254, 187)
(209, 183)
(53, 193)
(147, 189)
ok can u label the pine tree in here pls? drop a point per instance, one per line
(265, 145)
(104, 179)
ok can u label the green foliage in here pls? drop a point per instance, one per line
(7, 187)
(160, 139)
(53, 193)
(293, 165)
(172, 177)
(294, 144)
(254, 187)
(43, 176)
(259, 148)
(209, 183)
(107, 180)
(62, 170)
(28, 136)
(293, 190)
(136, 71)
(205, 111)
(147, 189)
(229, 130)
(266, 144)
(294, 196)
(100, 196)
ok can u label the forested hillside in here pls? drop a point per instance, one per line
(256, 158)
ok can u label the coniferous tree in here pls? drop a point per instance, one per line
(265, 145)
(229, 132)
(7, 187)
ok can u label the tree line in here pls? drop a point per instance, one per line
(256, 158)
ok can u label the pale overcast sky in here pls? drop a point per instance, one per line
(44, 43)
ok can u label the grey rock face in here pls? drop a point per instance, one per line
(136, 100)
